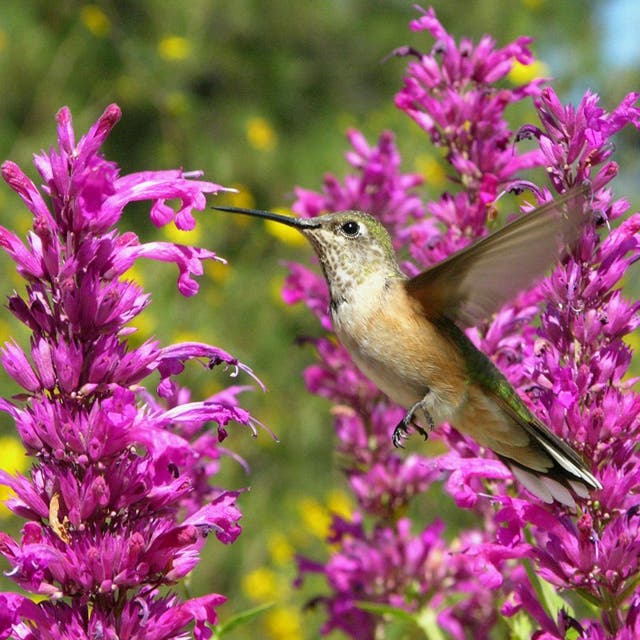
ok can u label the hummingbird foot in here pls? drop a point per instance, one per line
(401, 432)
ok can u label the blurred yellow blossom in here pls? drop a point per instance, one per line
(178, 236)
(315, 517)
(145, 324)
(431, 169)
(12, 454)
(135, 274)
(260, 134)
(286, 234)
(12, 460)
(185, 336)
(280, 549)
(523, 73)
(174, 48)
(633, 340)
(284, 623)
(339, 503)
(261, 585)
(95, 20)
(242, 197)
(217, 271)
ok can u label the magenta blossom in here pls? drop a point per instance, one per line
(119, 500)
(561, 344)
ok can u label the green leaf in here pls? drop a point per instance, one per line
(520, 625)
(239, 619)
(589, 600)
(426, 619)
(552, 602)
(572, 634)
(386, 609)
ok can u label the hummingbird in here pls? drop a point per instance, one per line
(407, 334)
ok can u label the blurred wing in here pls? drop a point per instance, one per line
(474, 283)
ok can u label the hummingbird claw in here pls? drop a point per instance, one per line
(401, 432)
(423, 432)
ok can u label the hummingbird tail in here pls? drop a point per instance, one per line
(544, 463)
(565, 475)
(549, 489)
(568, 474)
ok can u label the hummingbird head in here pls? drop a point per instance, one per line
(350, 245)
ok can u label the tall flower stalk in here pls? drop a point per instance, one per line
(569, 366)
(119, 499)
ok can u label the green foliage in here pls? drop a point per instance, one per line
(401, 624)
(239, 620)
(547, 595)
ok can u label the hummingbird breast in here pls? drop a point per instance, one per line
(399, 349)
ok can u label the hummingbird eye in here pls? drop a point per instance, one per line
(350, 228)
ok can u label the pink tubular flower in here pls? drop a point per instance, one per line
(118, 502)
(451, 94)
(561, 344)
(577, 363)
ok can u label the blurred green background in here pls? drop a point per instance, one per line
(259, 94)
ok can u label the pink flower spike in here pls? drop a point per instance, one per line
(120, 495)
(563, 345)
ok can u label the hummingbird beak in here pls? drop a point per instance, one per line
(298, 223)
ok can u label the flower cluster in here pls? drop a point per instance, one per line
(577, 365)
(119, 500)
(569, 367)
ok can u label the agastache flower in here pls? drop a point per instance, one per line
(119, 500)
(569, 366)
(451, 93)
(577, 365)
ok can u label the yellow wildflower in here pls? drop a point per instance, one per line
(523, 73)
(432, 170)
(95, 20)
(217, 271)
(286, 234)
(284, 623)
(315, 517)
(261, 585)
(260, 134)
(340, 504)
(12, 460)
(280, 549)
(241, 198)
(178, 236)
(174, 48)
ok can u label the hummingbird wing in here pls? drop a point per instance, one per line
(474, 283)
